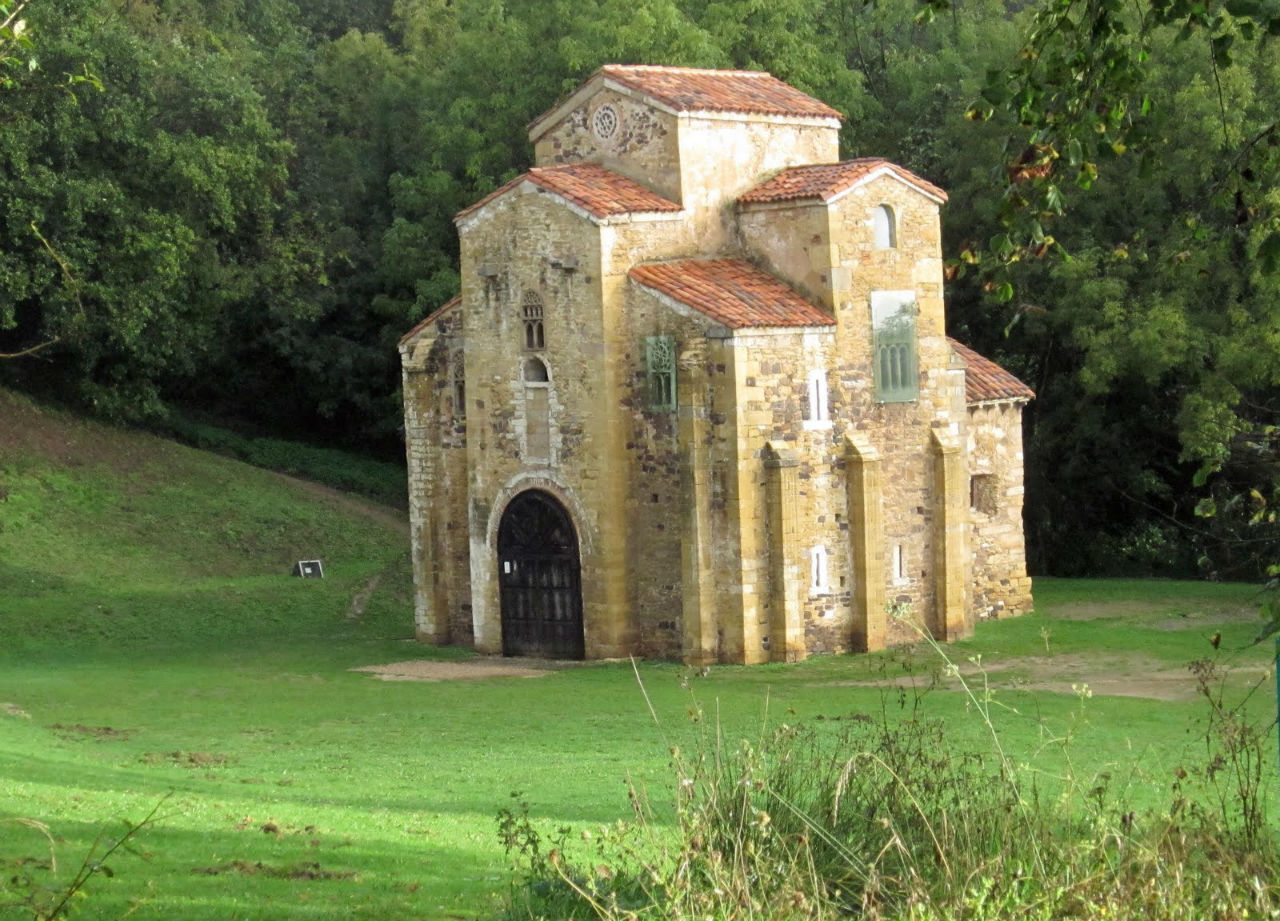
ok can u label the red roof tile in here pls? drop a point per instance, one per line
(600, 192)
(985, 381)
(730, 291)
(826, 181)
(432, 317)
(688, 89)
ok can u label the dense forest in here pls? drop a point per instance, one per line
(240, 205)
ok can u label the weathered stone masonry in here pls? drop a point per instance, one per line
(710, 360)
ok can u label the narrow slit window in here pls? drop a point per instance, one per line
(817, 410)
(819, 571)
(899, 563)
(459, 391)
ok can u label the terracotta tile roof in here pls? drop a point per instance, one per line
(600, 192)
(985, 381)
(688, 89)
(827, 181)
(732, 292)
(432, 317)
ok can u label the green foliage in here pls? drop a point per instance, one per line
(368, 477)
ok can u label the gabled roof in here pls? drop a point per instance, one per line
(432, 317)
(600, 192)
(826, 182)
(732, 292)
(987, 382)
(691, 89)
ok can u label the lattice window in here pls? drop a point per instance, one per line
(605, 122)
(531, 314)
(893, 320)
(660, 365)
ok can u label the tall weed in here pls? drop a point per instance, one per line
(886, 819)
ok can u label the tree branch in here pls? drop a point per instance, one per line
(32, 350)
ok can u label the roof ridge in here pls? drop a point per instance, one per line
(681, 69)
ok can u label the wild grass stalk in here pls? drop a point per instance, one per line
(887, 819)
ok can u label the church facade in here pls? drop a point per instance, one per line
(695, 399)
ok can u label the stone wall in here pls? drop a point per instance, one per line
(1001, 587)
(739, 526)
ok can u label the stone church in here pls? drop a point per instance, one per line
(695, 399)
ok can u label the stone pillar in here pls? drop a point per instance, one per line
(951, 621)
(697, 579)
(786, 620)
(866, 532)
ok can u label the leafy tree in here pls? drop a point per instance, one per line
(131, 217)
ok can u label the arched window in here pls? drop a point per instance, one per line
(535, 371)
(531, 313)
(885, 227)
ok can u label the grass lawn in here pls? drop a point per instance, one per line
(157, 653)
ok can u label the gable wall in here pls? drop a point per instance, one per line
(520, 236)
(642, 147)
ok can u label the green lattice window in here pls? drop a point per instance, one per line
(660, 372)
(893, 321)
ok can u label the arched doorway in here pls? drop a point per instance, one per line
(539, 575)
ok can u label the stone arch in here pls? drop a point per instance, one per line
(539, 578)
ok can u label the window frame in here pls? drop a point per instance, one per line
(531, 314)
(817, 413)
(660, 373)
(819, 570)
(895, 362)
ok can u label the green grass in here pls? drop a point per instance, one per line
(157, 651)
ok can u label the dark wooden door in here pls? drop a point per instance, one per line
(540, 578)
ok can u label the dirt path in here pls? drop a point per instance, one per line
(462, 669)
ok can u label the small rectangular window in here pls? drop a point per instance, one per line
(982, 493)
(817, 411)
(893, 322)
(899, 563)
(819, 571)
(660, 370)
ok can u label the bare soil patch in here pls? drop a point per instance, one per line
(463, 669)
(1131, 676)
(101, 733)
(1099, 610)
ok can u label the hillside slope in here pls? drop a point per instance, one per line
(112, 538)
